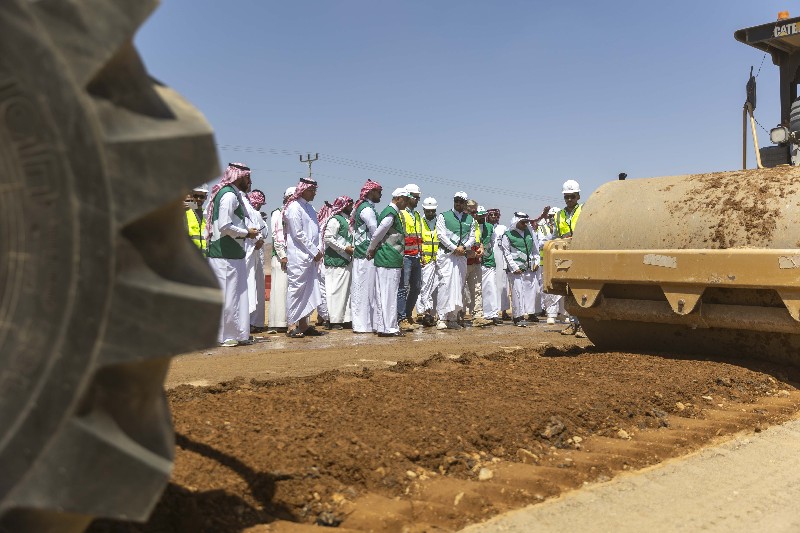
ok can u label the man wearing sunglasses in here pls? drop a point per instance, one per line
(195, 223)
(566, 220)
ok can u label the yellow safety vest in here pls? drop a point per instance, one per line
(412, 228)
(476, 246)
(430, 241)
(195, 227)
(565, 224)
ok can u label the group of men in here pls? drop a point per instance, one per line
(378, 271)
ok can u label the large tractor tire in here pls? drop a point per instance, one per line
(99, 283)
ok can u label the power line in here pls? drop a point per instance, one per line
(381, 169)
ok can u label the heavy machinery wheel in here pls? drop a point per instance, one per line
(99, 284)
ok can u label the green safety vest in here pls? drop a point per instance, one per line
(523, 251)
(390, 252)
(457, 228)
(225, 247)
(360, 237)
(487, 259)
(566, 224)
(333, 258)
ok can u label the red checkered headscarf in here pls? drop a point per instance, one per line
(368, 186)
(338, 206)
(232, 173)
(303, 186)
(324, 212)
(257, 199)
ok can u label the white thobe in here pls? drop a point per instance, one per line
(430, 281)
(302, 246)
(387, 281)
(489, 296)
(362, 294)
(231, 275)
(255, 266)
(337, 279)
(523, 285)
(553, 304)
(279, 279)
(500, 271)
(452, 271)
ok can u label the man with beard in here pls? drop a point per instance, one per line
(456, 232)
(304, 254)
(254, 259)
(279, 279)
(521, 252)
(227, 228)
(430, 276)
(338, 261)
(490, 299)
(363, 224)
(411, 279)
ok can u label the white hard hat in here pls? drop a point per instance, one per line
(289, 192)
(413, 189)
(571, 186)
(481, 210)
(429, 203)
(400, 191)
(201, 188)
(462, 195)
(553, 211)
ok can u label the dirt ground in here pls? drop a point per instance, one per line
(436, 430)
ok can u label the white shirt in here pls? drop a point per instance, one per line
(302, 230)
(334, 240)
(227, 205)
(278, 238)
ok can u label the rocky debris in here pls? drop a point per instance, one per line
(485, 474)
(680, 406)
(527, 457)
(328, 519)
(725, 382)
(622, 434)
(554, 428)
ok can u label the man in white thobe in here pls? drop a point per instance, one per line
(364, 223)
(227, 228)
(387, 249)
(501, 279)
(430, 275)
(279, 280)
(490, 298)
(338, 261)
(304, 254)
(520, 249)
(456, 232)
(254, 259)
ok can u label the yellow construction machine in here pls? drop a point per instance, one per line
(703, 263)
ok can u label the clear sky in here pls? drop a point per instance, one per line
(503, 99)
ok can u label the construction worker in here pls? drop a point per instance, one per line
(386, 248)
(363, 224)
(490, 299)
(565, 221)
(195, 222)
(430, 281)
(411, 280)
(521, 252)
(456, 232)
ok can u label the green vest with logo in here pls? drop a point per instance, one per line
(225, 246)
(332, 258)
(390, 252)
(487, 259)
(360, 236)
(458, 230)
(523, 251)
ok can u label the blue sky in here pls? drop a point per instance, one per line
(502, 99)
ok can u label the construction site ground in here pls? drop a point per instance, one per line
(436, 430)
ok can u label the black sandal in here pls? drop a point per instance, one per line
(313, 332)
(295, 334)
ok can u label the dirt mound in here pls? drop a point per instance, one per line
(310, 449)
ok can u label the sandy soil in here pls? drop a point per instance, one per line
(436, 430)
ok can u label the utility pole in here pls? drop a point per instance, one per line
(309, 160)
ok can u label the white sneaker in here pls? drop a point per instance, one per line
(229, 343)
(551, 321)
(441, 325)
